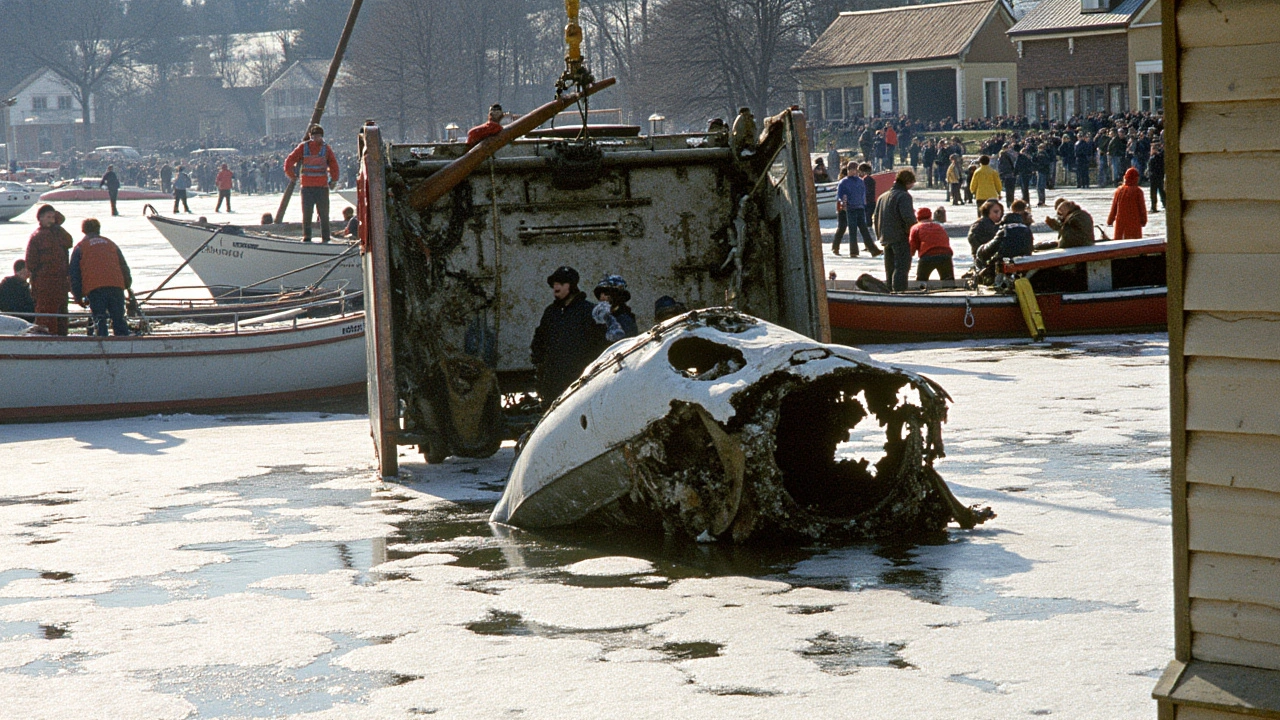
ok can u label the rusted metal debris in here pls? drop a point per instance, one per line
(720, 425)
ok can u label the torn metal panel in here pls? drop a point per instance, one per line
(678, 215)
(717, 424)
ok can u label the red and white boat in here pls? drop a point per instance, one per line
(1114, 286)
(84, 189)
(268, 361)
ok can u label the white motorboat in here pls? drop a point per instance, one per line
(271, 361)
(720, 425)
(244, 256)
(825, 194)
(15, 199)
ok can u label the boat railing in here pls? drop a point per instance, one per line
(344, 304)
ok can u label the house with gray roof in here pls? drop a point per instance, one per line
(289, 101)
(1077, 57)
(936, 61)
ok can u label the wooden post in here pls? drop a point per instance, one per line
(329, 79)
(384, 404)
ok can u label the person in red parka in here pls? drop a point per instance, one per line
(929, 240)
(224, 181)
(1128, 208)
(47, 261)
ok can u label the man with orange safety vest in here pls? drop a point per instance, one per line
(317, 165)
(99, 277)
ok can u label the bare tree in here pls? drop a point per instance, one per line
(705, 57)
(89, 40)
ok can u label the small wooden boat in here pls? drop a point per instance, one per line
(86, 189)
(244, 256)
(716, 425)
(270, 361)
(1114, 286)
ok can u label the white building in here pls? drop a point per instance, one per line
(289, 101)
(44, 116)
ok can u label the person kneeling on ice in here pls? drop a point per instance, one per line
(99, 277)
(1013, 239)
(567, 338)
(612, 312)
(929, 240)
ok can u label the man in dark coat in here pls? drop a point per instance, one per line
(1155, 171)
(1084, 154)
(894, 217)
(1012, 240)
(567, 339)
(1073, 225)
(112, 183)
(15, 293)
(930, 154)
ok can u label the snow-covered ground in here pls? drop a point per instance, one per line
(253, 566)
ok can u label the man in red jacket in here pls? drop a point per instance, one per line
(99, 277)
(223, 181)
(489, 129)
(929, 240)
(315, 162)
(47, 261)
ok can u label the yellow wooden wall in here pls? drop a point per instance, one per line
(1225, 344)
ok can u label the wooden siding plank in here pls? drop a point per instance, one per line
(1240, 396)
(1233, 282)
(1223, 688)
(1235, 521)
(1207, 23)
(1190, 712)
(1231, 226)
(1215, 648)
(1243, 621)
(1251, 336)
(1217, 176)
(1231, 73)
(1229, 127)
(1235, 578)
(1243, 461)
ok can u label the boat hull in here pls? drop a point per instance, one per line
(51, 378)
(13, 203)
(863, 318)
(239, 257)
(83, 194)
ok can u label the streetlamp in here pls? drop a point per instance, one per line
(451, 131)
(656, 121)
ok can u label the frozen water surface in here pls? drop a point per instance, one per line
(252, 565)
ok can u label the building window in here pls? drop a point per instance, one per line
(1092, 6)
(813, 104)
(1119, 99)
(833, 104)
(853, 103)
(68, 136)
(1068, 103)
(44, 139)
(1150, 86)
(995, 97)
(1055, 105)
(39, 102)
(64, 102)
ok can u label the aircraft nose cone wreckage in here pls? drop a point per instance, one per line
(719, 425)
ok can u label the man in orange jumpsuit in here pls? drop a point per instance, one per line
(47, 261)
(315, 162)
(99, 277)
